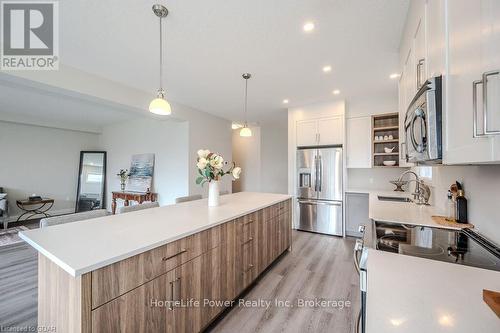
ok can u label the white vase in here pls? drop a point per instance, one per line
(213, 193)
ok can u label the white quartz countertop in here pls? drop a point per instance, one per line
(84, 246)
(400, 212)
(410, 294)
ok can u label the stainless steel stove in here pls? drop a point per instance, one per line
(464, 247)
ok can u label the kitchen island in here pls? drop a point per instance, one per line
(167, 269)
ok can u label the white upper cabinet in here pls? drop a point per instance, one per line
(320, 132)
(435, 37)
(420, 52)
(460, 40)
(359, 142)
(330, 131)
(473, 82)
(307, 133)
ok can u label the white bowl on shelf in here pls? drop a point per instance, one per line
(389, 163)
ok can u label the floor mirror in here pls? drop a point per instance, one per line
(90, 194)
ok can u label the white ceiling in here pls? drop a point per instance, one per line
(208, 44)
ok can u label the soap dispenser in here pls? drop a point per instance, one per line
(461, 211)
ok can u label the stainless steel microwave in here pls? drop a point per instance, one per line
(423, 124)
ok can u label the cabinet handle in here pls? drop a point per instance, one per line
(248, 269)
(485, 102)
(475, 134)
(174, 255)
(419, 72)
(319, 137)
(170, 304)
(251, 221)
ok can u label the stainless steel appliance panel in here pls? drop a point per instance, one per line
(423, 124)
(306, 173)
(321, 216)
(329, 174)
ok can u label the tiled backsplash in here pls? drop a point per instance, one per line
(482, 190)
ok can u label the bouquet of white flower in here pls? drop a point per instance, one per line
(211, 167)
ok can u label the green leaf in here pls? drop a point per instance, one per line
(199, 171)
(199, 180)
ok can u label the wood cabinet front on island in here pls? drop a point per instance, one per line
(177, 287)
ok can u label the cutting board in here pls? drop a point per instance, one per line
(441, 220)
(492, 298)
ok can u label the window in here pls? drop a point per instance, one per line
(94, 178)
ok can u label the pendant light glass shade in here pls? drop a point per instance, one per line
(160, 105)
(245, 132)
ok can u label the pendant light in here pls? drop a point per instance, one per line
(245, 131)
(159, 105)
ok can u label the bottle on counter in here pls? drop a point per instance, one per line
(450, 208)
(461, 210)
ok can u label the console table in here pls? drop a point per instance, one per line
(31, 208)
(140, 197)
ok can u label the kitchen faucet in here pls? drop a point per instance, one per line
(422, 192)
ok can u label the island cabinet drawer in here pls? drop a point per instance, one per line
(277, 209)
(116, 279)
(246, 228)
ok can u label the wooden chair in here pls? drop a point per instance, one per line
(62, 219)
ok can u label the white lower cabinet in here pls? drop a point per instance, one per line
(356, 212)
(359, 142)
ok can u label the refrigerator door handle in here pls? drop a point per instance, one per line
(315, 173)
(320, 172)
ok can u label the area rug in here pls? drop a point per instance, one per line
(10, 236)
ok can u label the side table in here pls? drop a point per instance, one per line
(140, 197)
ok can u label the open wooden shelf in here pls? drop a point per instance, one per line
(386, 141)
(385, 125)
(387, 128)
(386, 154)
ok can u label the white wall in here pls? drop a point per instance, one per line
(481, 185)
(168, 140)
(373, 179)
(274, 154)
(247, 155)
(264, 156)
(205, 132)
(42, 161)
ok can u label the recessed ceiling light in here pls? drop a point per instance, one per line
(327, 69)
(336, 92)
(308, 27)
(285, 101)
(394, 75)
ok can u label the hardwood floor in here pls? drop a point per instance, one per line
(319, 267)
(18, 286)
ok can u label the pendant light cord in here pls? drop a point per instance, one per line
(246, 96)
(161, 57)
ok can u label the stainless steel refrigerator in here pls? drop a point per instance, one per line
(319, 190)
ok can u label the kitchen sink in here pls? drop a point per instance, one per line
(397, 199)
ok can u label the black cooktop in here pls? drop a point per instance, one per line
(464, 247)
